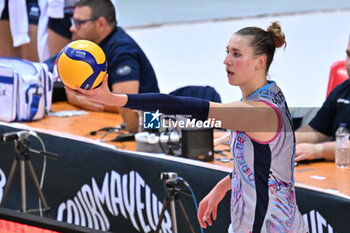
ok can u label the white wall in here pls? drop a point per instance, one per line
(193, 53)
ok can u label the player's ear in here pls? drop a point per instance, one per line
(260, 62)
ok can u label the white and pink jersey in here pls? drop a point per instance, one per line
(263, 194)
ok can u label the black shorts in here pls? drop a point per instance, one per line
(61, 26)
(33, 12)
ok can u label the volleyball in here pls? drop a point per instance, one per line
(81, 63)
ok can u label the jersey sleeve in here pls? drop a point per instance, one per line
(197, 108)
(125, 68)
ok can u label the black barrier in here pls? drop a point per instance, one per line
(323, 212)
(102, 188)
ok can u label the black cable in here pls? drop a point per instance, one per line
(93, 133)
(124, 138)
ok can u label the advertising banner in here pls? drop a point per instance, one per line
(110, 190)
(106, 189)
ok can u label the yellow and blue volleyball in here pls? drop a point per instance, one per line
(82, 63)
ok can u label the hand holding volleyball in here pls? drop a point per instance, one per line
(82, 64)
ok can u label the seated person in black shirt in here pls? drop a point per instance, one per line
(317, 140)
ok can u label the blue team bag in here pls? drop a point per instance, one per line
(25, 90)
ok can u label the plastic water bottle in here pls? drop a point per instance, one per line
(342, 148)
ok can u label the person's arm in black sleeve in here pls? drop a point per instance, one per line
(167, 104)
(312, 140)
(197, 108)
(323, 121)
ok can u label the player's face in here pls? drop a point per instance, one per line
(347, 60)
(84, 26)
(240, 60)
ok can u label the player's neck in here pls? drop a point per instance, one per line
(250, 87)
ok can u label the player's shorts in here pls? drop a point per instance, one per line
(62, 26)
(33, 12)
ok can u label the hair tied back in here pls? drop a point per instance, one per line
(278, 36)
